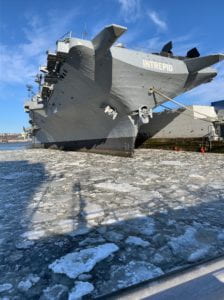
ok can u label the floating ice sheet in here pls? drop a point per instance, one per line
(76, 263)
(117, 187)
(132, 273)
(80, 289)
(188, 247)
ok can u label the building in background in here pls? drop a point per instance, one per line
(12, 137)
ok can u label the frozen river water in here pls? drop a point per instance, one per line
(75, 223)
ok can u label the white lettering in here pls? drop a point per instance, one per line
(149, 64)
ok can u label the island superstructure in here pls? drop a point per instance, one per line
(95, 96)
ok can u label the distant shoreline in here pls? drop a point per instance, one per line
(15, 141)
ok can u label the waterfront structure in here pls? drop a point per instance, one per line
(195, 122)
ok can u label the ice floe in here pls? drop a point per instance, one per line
(33, 234)
(134, 240)
(90, 241)
(113, 236)
(80, 230)
(117, 187)
(199, 254)
(188, 247)
(93, 210)
(55, 292)
(216, 185)
(84, 277)
(5, 287)
(80, 289)
(24, 244)
(172, 163)
(143, 225)
(132, 273)
(76, 263)
(196, 176)
(28, 282)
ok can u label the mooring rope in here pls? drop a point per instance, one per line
(209, 119)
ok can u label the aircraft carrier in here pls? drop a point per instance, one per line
(95, 95)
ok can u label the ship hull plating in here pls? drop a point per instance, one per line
(90, 131)
(74, 118)
(112, 146)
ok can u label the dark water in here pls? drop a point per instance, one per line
(14, 146)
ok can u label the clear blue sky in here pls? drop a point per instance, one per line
(28, 28)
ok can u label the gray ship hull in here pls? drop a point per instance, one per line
(66, 135)
(75, 119)
(97, 98)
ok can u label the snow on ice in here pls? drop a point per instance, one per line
(28, 282)
(5, 287)
(134, 240)
(143, 225)
(76, 263)
(33, 234)
(117, 187)
(55, 292)
(172, 163)
(132, 273)
(81, 289)
(188, 247)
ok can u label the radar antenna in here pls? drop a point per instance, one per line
(30, 90)
(84, 33)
